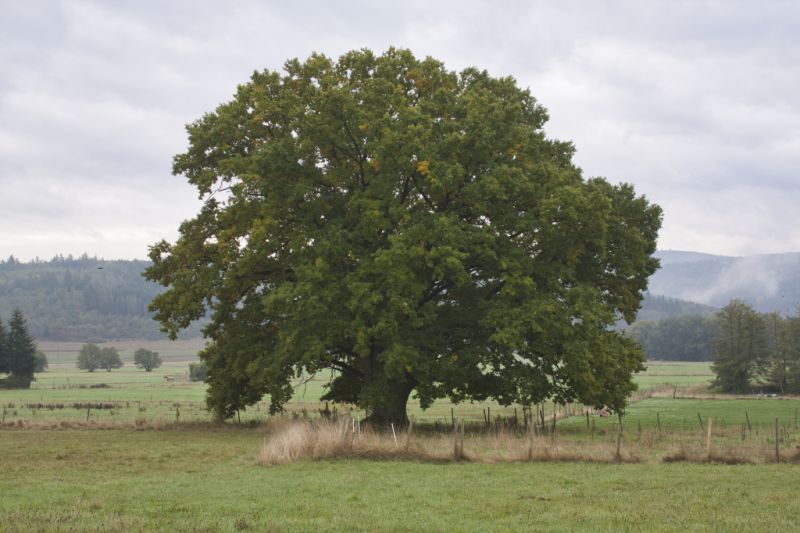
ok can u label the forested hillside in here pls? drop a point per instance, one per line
(88, 299)
(81, 299)
(656, 307)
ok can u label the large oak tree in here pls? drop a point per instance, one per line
(408, 228)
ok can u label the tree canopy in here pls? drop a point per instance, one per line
(409, 228)
(40, 362)
(740, 346)
(146, 359)
(17, 352)
(678, 338)
(89, 357)
(755, 350)
(109, 358)
(3, 348)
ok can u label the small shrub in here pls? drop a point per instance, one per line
(198, 371)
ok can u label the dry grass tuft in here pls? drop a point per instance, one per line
(793, 457)
(304, 439)
(727, 457)
(320, 439)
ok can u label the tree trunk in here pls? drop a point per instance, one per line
(392, 407)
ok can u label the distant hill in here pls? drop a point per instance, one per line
(88, 299)
(84, 299)
(673, 257)
(656, 307)
(767, 282)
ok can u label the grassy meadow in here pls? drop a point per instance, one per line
(194, 478)
(144, 455)
(129, 394)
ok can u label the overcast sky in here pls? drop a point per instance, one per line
(696, 103)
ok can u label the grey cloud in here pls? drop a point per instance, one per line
(694, 103)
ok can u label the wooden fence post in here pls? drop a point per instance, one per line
(777, 442)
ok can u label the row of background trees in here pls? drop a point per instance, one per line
(92, 357)
(749, 350)
(753, 349)
(678, 338)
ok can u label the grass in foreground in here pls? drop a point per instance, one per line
(208, 479)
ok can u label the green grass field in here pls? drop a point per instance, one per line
(197, 476)
(206, 479)
(148, 396)
(682, 413)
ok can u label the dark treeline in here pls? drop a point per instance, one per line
(756, 351)
(656, 307)
(751, 351)
(678, 338)
(81, 299)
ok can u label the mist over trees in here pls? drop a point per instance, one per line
(769, 282)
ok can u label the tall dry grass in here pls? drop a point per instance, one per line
(324, 439)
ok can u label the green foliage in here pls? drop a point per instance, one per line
(81, 299)
(41, 361)
(198, 371)
(3, 348)
(740, 346)
(146, 359)
(89, 357)
(19, 352)
(109, 358)
(781, 372)
(680, 338)
(410, 228)
(753, 349)
(92, 357)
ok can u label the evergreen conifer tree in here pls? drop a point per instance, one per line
(21, 351)
(3, 349)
